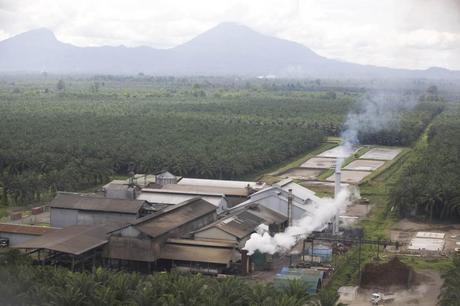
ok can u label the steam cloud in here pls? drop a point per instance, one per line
(377, 111)
(319, 214)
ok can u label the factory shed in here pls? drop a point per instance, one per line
(143, 239)
(68, 209)
(71, 245)
(238, 225)
(276, 197)
(174, 197)
(18, 233)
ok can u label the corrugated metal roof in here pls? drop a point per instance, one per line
(25, 229)
(94, 203)
(159, 223)
(197, 253)
(187, 192)
(239, 224)
(76, 239)
(269, 216)
(228, 191)
(221, 183)
(174, 198)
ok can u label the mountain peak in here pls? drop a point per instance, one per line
(36, 36)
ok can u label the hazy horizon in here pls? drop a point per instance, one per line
(412, 34)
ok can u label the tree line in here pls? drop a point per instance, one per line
(25, 284)
(429, 184)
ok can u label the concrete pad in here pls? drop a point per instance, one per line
(430, 235)
(364, 165)
(381, 154)
(319, 163)
(352, 177)
(339, 151)
(302, 173)
(426, 244)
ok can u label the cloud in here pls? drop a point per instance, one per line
(406, 34)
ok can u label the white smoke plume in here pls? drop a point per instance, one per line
(319, 214)
(377, 111)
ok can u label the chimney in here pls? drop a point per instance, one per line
(244, 262)
(289, 213)
(338, 178)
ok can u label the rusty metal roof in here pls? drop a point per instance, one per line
(25, 229)
(75, 240)
(197, 253)
(213, 243)
(95, 203)
(162, 222)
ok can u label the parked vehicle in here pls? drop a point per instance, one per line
(380, 298)
(4, 242)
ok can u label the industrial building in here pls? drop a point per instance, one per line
(277, 196)
(68, 209)
(143, 239)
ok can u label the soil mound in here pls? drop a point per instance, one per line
(393, 273)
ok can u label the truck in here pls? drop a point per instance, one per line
(378, 298)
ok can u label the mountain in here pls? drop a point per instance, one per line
(227, 49)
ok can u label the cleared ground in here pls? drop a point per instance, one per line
(349, 176)
(424, 293)
(320, 163)
(405, 230)
(364, 165)
(381, 153)
(302, 173)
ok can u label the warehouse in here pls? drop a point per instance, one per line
(68, 209)
(143, 239)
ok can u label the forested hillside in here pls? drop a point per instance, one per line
(430, 182)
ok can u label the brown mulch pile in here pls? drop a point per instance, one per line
(390, 274)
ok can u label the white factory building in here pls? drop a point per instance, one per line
(276, 198)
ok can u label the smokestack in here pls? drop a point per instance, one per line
(289, 214)
(338, 178)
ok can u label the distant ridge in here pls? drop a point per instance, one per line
(227, 49)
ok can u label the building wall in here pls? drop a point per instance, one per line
(17, 238)
(96, 217)
(60, 217)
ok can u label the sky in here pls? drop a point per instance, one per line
(415, 34)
